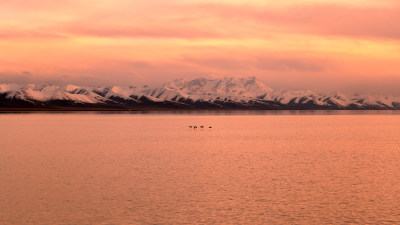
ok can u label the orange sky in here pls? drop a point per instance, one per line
(288, 42)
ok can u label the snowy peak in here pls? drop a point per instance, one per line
(73, 89)
(176, 84)
(211, 89)
(9, 88)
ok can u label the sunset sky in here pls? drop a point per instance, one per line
(283, 43)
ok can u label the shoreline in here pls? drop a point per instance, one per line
(203, 111)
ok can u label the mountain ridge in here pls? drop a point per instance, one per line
(201, 93)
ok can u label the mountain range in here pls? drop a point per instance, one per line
(202, 93)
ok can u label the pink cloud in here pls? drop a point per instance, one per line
(29, 5)
(213, 20)
(144, 31)
(262, 62)
(221, 63)
(237, 21)
(29, 34)
(322, 19)
(293, 64)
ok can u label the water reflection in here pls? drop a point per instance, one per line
(85, 168)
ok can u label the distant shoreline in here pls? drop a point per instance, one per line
(160, 109)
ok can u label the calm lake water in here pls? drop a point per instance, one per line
(275, 168)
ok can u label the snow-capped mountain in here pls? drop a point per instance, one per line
(225, 93)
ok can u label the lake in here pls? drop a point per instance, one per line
(278, 167)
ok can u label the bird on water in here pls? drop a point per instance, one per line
(195, 127)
